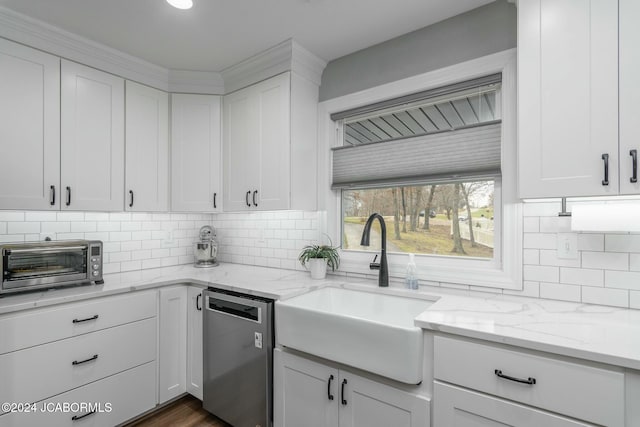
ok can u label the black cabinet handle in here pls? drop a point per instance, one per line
(344, 382)
(214, 200)
(255, 193)
(634, 157)
(529, 381)
(76, 417)
(329, 395)
(94, 357)
(198, 306)
(605, 181)
(68, 196)
(131, 198)
(246, 198)
(52, 195)
(85, 320)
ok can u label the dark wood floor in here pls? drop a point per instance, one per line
(184, 412)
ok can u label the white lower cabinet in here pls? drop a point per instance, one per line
(308, 393)
(194, 341)
(106, 403)
(455, 406)
(482, 384)
(172, 356)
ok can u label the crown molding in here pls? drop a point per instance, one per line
(285, 56)
(203, 82)
(40, 35)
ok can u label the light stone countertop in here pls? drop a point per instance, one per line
(591, 332)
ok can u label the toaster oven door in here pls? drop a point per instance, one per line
(30, 268)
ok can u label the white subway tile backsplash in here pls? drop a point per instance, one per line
(130, 265)
(540, 241)
(634, 299)
(531, 224)
(83, 227)
(555, 224)
(622, 243)
(40, 216)
(634, 262)
(108, 226)
(560, 292)
(605, 260)
(605, 296)
(12, 238)
(550, 257)
(582, 276)
(529, 289)
(622, 280)
(531, 256)
(591, 242)
(538, 273)
(3, 227)
(70, 216)
(11, 216)
(96, 216)
(541, 209)
(26, 227)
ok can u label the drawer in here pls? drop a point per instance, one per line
(35, 327)
(582, 391)
(40, 372)
(128, 394)
(461, 407)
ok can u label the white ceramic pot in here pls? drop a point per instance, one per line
(318, 268)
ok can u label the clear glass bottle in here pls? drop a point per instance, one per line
(411, 279)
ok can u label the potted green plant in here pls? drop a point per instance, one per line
(318, 257)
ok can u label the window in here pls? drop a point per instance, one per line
(422, 219)
(443, 134)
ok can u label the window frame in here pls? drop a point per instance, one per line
(505, 270)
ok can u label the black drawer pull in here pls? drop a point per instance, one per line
(131, 202)
(214, 201)
(198, 306)
(246, 198)
(255, 193)
(52, 195)
(85, 320)
(329, 395)
(530, 381)
(344, 401)
(634, 164)
(76, 417)
(68, 196)
(75, 362)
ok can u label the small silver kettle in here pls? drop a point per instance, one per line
(205, 250)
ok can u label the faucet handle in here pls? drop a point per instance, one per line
(374, 265)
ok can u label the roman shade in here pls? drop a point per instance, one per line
(467, 153)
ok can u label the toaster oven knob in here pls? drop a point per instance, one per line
(96, 266)
(95, 273)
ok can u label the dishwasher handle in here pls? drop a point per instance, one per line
(235, 309)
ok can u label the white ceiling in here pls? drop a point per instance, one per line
(216, 34)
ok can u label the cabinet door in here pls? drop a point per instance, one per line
(273, 151)
(29, 128)
(194, 342)
(629, 95)
(92, 139)
(306, 393)
(456, 406)
(240, 145)
(366, 403)
(147, 149)
(173, 342)
(567, 97)
(257, 146)
(195, 153)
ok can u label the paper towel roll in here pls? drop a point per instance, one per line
(606, 217)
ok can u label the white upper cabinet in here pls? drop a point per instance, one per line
(147, 149)
(256, 146)
(195, 153)
(629, 96)
(92, 139)
(29, 128)
(568, 98)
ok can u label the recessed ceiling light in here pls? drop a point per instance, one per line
(181, 4)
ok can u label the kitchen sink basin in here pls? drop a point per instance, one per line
(370, 331)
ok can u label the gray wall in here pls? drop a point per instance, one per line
(479, 32)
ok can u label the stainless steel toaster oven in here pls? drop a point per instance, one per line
(32, 266)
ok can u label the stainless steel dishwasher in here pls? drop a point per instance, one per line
(238, 358)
